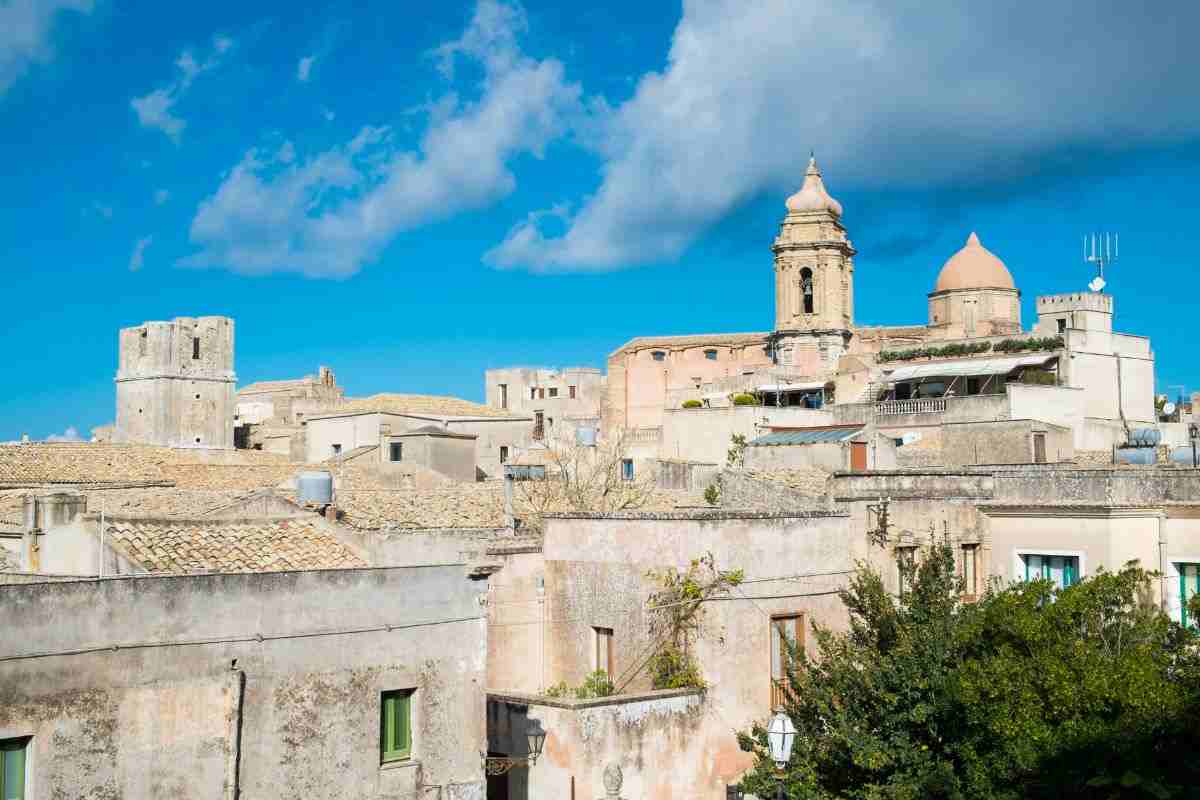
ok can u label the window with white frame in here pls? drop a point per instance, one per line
(969, 569)
(602, 643)
(1061, 570)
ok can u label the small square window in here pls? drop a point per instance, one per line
(395, 726)
(396, 451)
(337, 449)
(627, 469)
(554, 392)
(711, 355)
(658, 355)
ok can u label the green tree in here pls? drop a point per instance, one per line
(1030, 693)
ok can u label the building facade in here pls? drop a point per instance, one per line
(175, 384)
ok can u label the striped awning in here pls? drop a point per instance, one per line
(967, 366)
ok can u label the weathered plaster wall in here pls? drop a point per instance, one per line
(139, 713)
(703, 434)
(686, 476)
(1003, 442)
(657, 739)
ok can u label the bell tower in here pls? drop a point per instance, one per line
(814, 281)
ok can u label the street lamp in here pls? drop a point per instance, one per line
(781, 735)
(535, 739)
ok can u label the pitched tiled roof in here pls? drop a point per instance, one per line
(274, 386)
(182, 545)
(466, 505)
(434, 405)
(88, 463)
(693, 340)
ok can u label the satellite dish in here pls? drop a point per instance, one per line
(1168, 409)
(1097, 284)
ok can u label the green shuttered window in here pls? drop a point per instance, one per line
(1062, 571)
(1189, 587)
(395, 730)
(12, 768)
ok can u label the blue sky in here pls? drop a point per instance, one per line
(414, 192)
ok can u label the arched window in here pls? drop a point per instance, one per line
(806, 290)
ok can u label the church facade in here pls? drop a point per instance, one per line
(818, 356)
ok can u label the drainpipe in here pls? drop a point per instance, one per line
(1162, 560)
(1121, 400)
(233, 777)
(100, 566)
(510, 522)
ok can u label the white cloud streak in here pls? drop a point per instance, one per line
(25, 27)
(896, 95)
(156, 109)
(138, 258)
(328, 214)
(71, 434)
(304, 68)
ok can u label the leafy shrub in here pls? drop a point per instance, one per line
(560, 689)
(692, 404)
(1039, 377)
(1033, 344)
(712, 495)
(743, 399)
(596, 684)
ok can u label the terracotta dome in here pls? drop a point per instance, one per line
(973, 267)
(812, 195)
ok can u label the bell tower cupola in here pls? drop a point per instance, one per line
(814, 281)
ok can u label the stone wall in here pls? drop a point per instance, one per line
(654, 738)
(686, 476)
(776, 490)
(263, 684)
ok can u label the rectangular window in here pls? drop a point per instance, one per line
(658, 355)
(503, 454)
(787, 636)
(1062, 571)
(906, 566)
(395, 728)
(1062, 326)
(1189, 587)
(603, 650)
(337, 449)
(1039, 448)
(571, 392)
(554, 392)
(397, 451)
(627, 469)
(142, 343)
(542, 394)
(533, 393)
(539, 425)
(504, 395)
(195, 347)
(969, 569)
(711, 355)
(12, 768)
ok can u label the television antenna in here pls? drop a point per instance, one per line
(1101, 249)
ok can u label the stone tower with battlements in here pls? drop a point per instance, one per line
(814, 281)
(175, 383)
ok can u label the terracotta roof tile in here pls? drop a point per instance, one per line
(183, 545)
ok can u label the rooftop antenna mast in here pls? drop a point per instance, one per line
(1101, 249)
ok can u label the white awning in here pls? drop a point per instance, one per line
(791, 387)
(973, 366)
(714, 396)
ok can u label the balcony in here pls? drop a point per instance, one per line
(924, 405)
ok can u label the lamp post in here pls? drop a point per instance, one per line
(535, 739)
(781, 735)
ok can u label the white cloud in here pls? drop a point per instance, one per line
(138, 258)
(304, 68)
(71, 434)
(889, 95)
(24, 33)
(329, 214)
(155, 109)
(161, 197)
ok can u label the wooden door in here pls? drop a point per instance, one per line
(1039, 448)
(858, 456)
